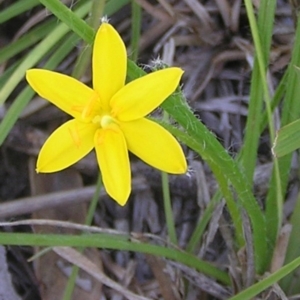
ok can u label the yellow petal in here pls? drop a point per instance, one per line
(154, 145)
(143, 95)
(67, 93)
(109, 63)
(65, 146)
(112, 155)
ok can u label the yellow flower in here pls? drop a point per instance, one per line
(109, 117)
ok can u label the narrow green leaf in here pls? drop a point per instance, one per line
(287, 139)
(278, 95)
(262, 35)
(290, 112)
(7, 73)
(26, 40)
(252, 131)
(203, 221)
(265, 283)
(17, 8)
(135, 29)
(13, 112)
(290, 284)
(75, 23)
(118, 242)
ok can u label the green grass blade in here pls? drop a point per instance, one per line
(75, 23)
(290, 284)
(274, 206)
(252, 130)
(7, 73)
(290, 112)
(13, 112)
(135, 29)
(17, 8)
(117, 242)
(278, 95)
(263, 284)
(202, 223)
(26, 41)
(287, 139)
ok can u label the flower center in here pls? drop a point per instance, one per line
(105, 121)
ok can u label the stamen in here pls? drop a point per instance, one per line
(89, 108)
(99, 137)
(96, 120)
(115, 111)
(77, 108)
(75, 136)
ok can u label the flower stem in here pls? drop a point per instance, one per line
(88, 221)
(167, 200)
(168, 208)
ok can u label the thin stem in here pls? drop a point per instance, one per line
(88, 221)
(135, 29)
(167, 199)
(168, 208)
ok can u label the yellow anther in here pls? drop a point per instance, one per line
(75, 136)
(77, 108)
(99, 138)
(87, 111)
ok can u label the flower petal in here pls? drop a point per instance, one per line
(141, 96)
(65, 146)
(154, 145)
(109, 63)
(67, 93)
(112, 155)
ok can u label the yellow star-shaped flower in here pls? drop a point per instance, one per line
(110, 117)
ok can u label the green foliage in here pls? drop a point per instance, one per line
(234, 176)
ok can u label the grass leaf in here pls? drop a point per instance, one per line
(287, 139)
